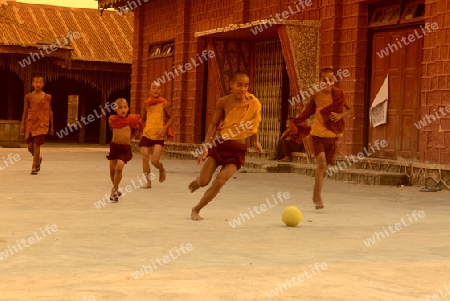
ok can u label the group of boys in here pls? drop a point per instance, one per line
(153, 125)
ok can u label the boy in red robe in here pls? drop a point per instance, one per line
(37, 121)
(236, 117)
(124, 127)
(330, 107)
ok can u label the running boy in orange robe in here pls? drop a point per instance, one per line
(236, 117)
(124, 127)
(157, 118)
(329, 106)
(37, 121)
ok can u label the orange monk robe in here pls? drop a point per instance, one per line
(156, 119)
(132, 120)
(38, 118)
(242, 121)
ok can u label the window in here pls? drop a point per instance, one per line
(160, 50)
(412, 11)
(386, 15)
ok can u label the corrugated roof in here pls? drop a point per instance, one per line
(111, 3)
(106, 38)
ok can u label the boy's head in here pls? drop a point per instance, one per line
(327, 76)
(121, 107)
(239, 84)
(37, 83)
(155, 90)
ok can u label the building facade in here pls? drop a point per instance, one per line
(85, 60)
(192, 48)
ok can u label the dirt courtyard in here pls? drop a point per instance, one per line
(60, 240)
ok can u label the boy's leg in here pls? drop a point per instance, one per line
(208, 168)
(37, 156)
(284, 151)
(222, 177)
(145, 151)
(279, 150)
(295, 147)
(30, 145)
(118, 174)
(157, 150)
(320, 175)
(112, 170)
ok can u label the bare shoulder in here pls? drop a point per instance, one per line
(224, 101)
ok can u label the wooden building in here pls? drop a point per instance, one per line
(85, 60)
(282, 44)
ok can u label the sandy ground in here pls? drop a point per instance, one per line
(89, 253)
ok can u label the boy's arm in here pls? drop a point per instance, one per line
(134, 133)
(257, 144)
(348, 111)
(212, 128)
(50, 117)
(168, 112)
(24, 115)
(307, 112)
(110, 123)
(143, 114)
(286, 133)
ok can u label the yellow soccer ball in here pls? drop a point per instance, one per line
(291, 216)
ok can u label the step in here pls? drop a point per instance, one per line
(352, 175)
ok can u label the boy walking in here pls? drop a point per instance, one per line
(124, 127)
(330, 107)
(37, 121)
(236, 117)
(155, 111)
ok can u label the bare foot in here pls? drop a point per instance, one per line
(195, 215)
(285, 159)
(38, 167)
(317, 201)
(193, 186)
(147, 185)
(162, 175)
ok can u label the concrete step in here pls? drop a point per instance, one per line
(300, 165)
(350, 175)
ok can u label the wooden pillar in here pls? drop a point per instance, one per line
(82, 131)
(102, 134)
(10, 98)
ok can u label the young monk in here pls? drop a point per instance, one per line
(155, 111)
(124, 127)
(330, 107)
(236, 117)
(290, 141)
(37, 121)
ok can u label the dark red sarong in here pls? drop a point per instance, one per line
(119, 152)
(229, 152)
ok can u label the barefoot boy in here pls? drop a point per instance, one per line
(236, 117)
(329, 106)
(37, 121)
(124, 127)
(155, 110)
